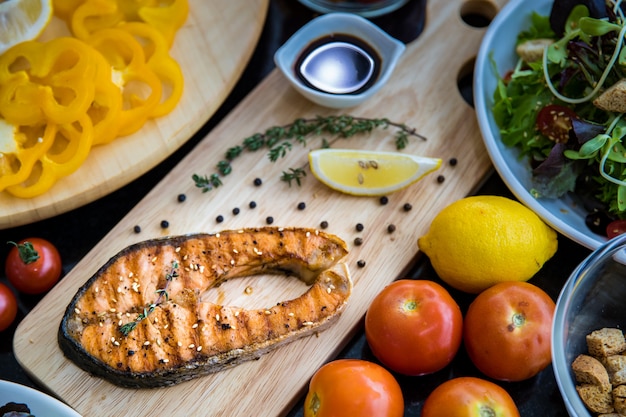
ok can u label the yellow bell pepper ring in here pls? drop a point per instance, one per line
(90, 16)
(69, 150)
(20, 149)
(141, 87)
(161, 63)
(46, 80)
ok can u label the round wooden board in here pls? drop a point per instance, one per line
(213, 48)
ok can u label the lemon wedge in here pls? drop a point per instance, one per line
(369, 173)
(22, 20)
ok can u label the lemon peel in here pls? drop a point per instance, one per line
(479, 241)
(369, 173)
(22, 20)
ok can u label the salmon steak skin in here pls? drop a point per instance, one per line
(140, 320)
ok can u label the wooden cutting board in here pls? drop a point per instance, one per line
(213, 48)
(422, 92)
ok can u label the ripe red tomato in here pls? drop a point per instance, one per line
(507, 331)
(33, 265)
(616, 227)
(414, 327)
(8, 307)
(469, 397)
(555, 122)
(353, 387)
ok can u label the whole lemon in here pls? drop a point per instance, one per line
(479, 241)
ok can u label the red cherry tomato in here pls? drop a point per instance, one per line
(353, 387)
(469, 397)
(414, 327)
(616, 227)
(555, 122)
(33, 265)
(507, 331)
(8, 307)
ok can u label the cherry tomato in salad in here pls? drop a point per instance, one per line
(353, 387)
(33, 265)
(507, 330)
(555, 122)
(8, 307)
(414, 327)
(615, 228)
(469, 397)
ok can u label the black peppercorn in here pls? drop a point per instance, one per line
(137, 229)
(324, 224)
(359, 227)
(441, 179)
(407, 207)
(452, 161)
(181, 198)
(236, 211)
(269, 220)
(384, 200)
(358, 241)
(391, 228)
(360, 263)
(165, 224)
(258, 181)
(301, 205)
(252, 204)
(219, 218)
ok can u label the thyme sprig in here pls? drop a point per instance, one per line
(125, 329)
(280, 140)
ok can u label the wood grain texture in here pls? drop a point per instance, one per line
(422, 92)
(213, 48)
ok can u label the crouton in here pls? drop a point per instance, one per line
(613, 99)
(616, 367)
(606, 342)
(619, 399)
(532, 50)
(596, 400)
(589, 370)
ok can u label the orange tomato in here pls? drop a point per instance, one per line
(507, 331)
(469, 397)
(414, 327)
(353, 387)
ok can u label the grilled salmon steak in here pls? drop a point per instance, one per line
(140, 320)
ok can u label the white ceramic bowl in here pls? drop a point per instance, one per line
(362, 8)
(565, 214)
(386, 47)
(592, 298)
(40, 404)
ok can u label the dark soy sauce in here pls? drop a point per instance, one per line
(338, 64)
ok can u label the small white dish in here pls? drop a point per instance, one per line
(40, 404)
(566, 214)
(386, 49)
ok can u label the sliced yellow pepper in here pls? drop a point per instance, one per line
(46, 80)
(89, 16)
(161, 63)
(141, 87)
(69, 149)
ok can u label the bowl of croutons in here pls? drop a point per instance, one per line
(588, 343)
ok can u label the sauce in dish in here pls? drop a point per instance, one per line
(338, 64)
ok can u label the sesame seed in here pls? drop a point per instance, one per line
(217, 317)
(291, 314)
(77, 311)
(177, 249)
(116, 343)
(154, 259)
(146, 343)
(165, 360)
(199, 348)
(191, 346)
(267, 312)
(179, 344)
(307, 323)
(195, 326)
